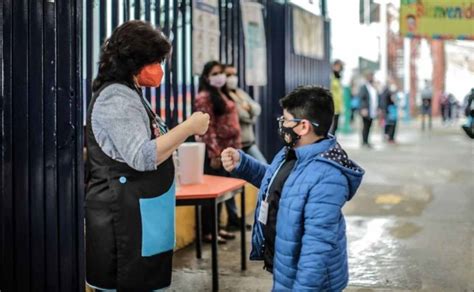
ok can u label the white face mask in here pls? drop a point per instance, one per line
(232, 82)
(218, 81)
(393, 88)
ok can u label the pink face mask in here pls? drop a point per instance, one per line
(218, 81)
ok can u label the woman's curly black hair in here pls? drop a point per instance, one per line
(131, 46)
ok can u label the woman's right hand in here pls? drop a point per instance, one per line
(230, 158)
(198, 123)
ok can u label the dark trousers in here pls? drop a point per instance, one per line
(390, 131)
(335, 123)
(232, 215)
(366, 130)
(426, 113)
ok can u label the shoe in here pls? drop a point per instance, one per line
(208, 239)
(226, 235)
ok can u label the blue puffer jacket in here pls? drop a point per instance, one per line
(310, 244)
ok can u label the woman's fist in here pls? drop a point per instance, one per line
(198, 123)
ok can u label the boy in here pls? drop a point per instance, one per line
(299, 229)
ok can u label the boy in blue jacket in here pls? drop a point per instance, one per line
(299, 231)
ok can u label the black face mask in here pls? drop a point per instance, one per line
(337, 74)
(288, 136)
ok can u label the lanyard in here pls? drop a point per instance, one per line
(159, 122)
(265, 198)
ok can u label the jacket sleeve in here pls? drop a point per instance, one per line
(250, 169)
(336, 91)
(255, 107)
(244, 116)
(322, 213)
(114, 117)
(248, 117)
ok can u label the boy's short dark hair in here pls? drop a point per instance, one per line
(313, 103)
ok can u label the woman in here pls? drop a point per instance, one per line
(130, 193)
(248, 110)
(224, 131)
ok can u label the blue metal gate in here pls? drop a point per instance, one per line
(173, 100)
(41, 228)
(286, 70)
(45, 87)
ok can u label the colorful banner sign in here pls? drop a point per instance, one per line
(437, 19)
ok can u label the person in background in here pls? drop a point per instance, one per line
(451, 107)
(130, 195)
(426, 97)
(368, 106)
(388, 104)
(248, 110)
(224, 131)
(469, 112)
(444, 104)
(355, 101)
(337, 92)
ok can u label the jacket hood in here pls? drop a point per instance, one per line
(337, 157)
(329, 151)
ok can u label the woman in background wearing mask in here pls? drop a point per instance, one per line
(224, 131)
(130, 199)
(248, 109)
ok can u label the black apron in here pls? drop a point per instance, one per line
(130, 220)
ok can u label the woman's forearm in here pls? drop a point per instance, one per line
(196, 124)
(168, 143)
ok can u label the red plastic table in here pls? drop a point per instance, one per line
(214, 190)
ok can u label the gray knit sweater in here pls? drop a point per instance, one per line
(121, 127)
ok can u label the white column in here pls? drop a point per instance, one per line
(383, 41)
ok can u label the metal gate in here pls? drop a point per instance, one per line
(44, 90)
(174, 98)
(41, 180)
(286, 70)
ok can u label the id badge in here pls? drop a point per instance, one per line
(263, 215)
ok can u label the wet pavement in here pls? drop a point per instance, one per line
(410, 226)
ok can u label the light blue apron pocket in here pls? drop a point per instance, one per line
(158, 223)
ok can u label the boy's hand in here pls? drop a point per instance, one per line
(230, 158)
